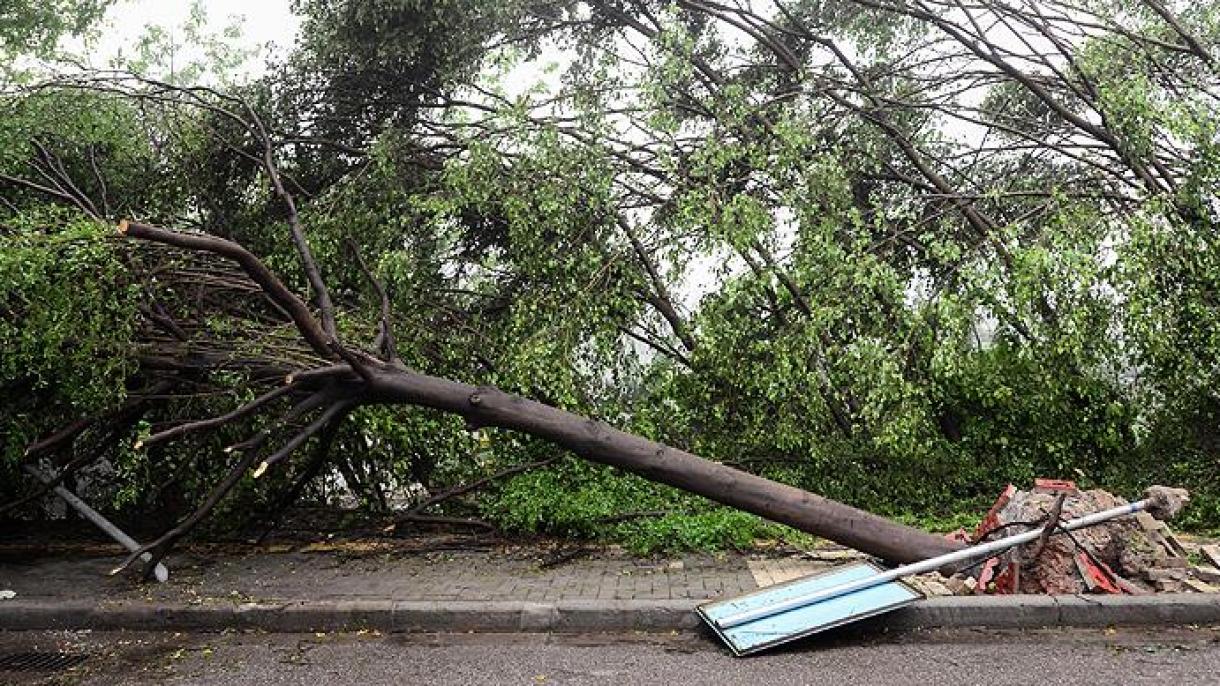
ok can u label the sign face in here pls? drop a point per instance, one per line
(782, 627)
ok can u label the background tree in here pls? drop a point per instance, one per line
(28, 28)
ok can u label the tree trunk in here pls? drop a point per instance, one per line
(599, 442)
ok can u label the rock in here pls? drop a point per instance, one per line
(961, 585)
(1175, 545)
(1165, 501)
(1138, 554)
(1147, 522)
(1159, 532)
(1132, 587)
(936, 588)
(1167, 586)
(929, 586)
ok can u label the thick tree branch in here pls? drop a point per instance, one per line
(213, 422)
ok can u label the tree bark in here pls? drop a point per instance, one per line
(599, 442)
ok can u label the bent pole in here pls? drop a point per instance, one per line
(928, 565)
(160, 572)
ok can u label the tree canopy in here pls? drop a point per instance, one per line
(36, 27)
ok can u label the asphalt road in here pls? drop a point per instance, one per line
(1170, 657)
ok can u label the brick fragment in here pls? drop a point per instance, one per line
(1206, 573)
(1200, 586)
(1212, 553)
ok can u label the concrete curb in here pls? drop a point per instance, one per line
(1001, 612)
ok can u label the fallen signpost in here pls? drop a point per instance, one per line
(159, 571)
(780, 614)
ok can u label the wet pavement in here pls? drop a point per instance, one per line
(1173, 657)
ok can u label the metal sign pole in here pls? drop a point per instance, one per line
(160, 572)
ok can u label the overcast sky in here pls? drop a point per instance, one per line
(265, 21)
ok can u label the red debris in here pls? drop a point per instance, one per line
(1055, 486)
(991, 519)
(1101, 576)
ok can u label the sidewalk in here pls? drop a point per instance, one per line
(371, 571)
(383, 586)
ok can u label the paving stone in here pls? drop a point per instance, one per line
(767, 572)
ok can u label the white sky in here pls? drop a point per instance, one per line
(266, 21)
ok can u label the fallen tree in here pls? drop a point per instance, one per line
(358, 377)
(532, 245)
(321, 396)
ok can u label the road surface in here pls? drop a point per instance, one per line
(1176, 657)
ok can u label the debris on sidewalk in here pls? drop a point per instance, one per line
(834, 555)
(1200, 586)
(851, 592)
(1132, 555)
(931, 585)
(7, 594)
(1211, 553)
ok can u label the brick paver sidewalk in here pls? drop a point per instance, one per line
(338, 573)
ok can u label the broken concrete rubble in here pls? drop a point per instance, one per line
(1206, 573)
(1133, 555)
(1157, 574)
(1200, 586)
(1165, 501)
(1212, 553)
(1120, 544)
